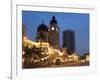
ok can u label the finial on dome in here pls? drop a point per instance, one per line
(53, 17)
(53, 21)
(42, 21)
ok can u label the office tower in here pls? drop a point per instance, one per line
(69, 41)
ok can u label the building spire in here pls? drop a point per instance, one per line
(42, 21)
(53, 17)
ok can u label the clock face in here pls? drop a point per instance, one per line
(52, 28)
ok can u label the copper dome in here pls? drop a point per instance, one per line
(42, 27)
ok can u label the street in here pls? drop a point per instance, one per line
(68, 64)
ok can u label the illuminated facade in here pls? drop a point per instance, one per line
(46, 51)
(23, 31)
(73, 57)
(37, 44)
(23, 35)
(53, 33)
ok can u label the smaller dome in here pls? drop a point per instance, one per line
(53, 20)
(42, 27)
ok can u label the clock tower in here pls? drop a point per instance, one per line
(53, 33)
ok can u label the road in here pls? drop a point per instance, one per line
(71, 64)
(68, 64)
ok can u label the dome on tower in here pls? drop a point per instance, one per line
(53, 21)
(42, 27)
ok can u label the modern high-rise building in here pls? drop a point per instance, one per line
(69, 41)
(53, 33)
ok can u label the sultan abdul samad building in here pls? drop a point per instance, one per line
(46, 50)
(49, 34)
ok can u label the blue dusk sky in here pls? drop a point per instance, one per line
(78, 22)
